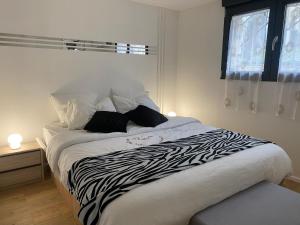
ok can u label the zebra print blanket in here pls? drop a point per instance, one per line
(97, 181)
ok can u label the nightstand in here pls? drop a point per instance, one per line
(21, 166)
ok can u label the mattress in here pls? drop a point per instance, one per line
(51, 130)
(174, 199)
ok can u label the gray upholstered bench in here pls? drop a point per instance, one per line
(262, 204)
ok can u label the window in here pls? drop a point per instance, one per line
(247, 42)
(290, 53)
(261, 37)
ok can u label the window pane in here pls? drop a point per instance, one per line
(247, 42)
(290, 53)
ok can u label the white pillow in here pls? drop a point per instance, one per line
(124, 104)
(147, 101)
(106, 104)
(78, 114)
(60, 108)
(60, 103)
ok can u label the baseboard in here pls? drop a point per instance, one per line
(294, 178)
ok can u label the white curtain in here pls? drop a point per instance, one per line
(245, 61)
(288, 85)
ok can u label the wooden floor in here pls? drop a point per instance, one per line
(42, 204)
(35, 204)
(292, 185)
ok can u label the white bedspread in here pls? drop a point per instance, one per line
(174, 199)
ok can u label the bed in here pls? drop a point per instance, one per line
(173, 199)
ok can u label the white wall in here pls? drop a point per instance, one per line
(28, 76)
(200, 92)
(168, 80)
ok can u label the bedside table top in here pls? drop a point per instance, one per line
(26, 147)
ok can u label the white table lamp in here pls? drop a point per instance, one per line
(172, 114)
(15, 141)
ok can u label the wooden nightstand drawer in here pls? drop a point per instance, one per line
(20, 166)
(20, 176)
(12, 162)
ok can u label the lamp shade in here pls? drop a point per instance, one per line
(14, 141)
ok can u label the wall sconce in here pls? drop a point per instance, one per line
(172, 114)
(14, 141)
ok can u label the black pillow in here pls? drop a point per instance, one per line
(146, 117)
(107, 122)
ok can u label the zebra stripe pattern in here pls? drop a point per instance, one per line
(97, 181)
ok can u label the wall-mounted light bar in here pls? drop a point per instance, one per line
(28, 41)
